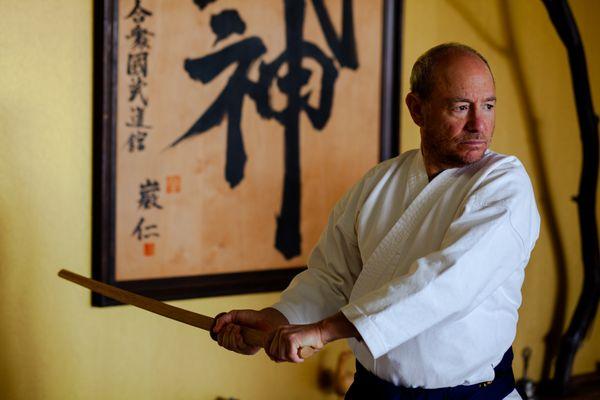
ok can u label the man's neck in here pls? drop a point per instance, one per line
(432, 168)
(432, 177)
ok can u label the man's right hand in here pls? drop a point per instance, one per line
(228, 327)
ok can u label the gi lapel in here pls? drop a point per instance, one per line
(380, 265)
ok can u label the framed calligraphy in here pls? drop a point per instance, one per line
(226, 130)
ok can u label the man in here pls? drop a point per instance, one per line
(422, 261)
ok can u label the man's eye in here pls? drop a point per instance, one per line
(463, 107)
(489, 106)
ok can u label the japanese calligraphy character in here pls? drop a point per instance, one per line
(137, 64)
(136, 119)
(144, 232)
(149, 195)
(138, 14)
(135, 90)
(140, 37)
(136, 140)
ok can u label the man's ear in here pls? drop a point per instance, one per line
(415, 107)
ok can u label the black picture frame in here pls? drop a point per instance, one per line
(104, 173)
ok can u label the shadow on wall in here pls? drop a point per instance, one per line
(510, 52)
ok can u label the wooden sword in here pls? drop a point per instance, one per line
(251, 336)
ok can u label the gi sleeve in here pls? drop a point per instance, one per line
(488, 241)
(333, 266)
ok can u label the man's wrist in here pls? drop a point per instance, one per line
(337, 327)
(274, 316)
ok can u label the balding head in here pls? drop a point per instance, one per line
(423, 74)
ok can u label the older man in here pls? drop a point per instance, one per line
(422, 261)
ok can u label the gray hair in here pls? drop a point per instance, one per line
(422, 74)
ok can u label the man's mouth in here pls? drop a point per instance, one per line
(473, 142)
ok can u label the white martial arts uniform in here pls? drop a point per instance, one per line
(429, 273)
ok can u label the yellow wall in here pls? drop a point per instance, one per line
(55, 346)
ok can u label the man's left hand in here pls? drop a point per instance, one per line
(286, 341)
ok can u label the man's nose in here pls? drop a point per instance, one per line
(476, 121)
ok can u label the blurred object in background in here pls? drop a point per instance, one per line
(525, 386)
(336, 374)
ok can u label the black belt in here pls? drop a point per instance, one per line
(369, 386)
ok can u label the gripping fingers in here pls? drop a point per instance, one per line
(240, 344)
(221, 320)
(292, 350)
(230, 341)
(216, 327)
(236, 343)
(284, 347)
(231, 338)
(226, 338)
(273, 348)
(223, 336)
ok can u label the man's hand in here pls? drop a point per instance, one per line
(228, 327)
(287, 340)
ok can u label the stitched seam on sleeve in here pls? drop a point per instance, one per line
(514, 229)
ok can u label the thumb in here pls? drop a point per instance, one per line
(221, 320)
(241, 317)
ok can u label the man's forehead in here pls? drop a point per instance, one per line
(459, 75)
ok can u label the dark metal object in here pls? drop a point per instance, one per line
(104, 158)
(562, 18)
(525, 386)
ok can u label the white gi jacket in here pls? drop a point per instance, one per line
(429, 273)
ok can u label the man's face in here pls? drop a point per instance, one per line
(458, 117)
